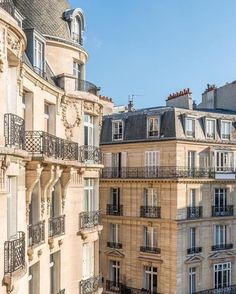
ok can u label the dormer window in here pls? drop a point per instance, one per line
(225, 130)
(39, 56)
(76, 31)
(153, 127)
(190, 127)
(117, 130)
(211, 128)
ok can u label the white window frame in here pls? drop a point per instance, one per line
(117, 130)
(151, 197)
(223, 157)
(149, 273)
(190, 133)
(39, 55)
(192, 237)
(225, 136)
(220, 234)
(88, 260)
(114, 233)
(210, 133)
(150, 237)
(115, 273)
(89, 123)
(156, 126)
(222, 193)
(90, 195)
(222, 267)
(192, 280)
(193, 198)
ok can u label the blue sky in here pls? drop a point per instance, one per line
(155, 47)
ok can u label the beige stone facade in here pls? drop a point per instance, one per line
(50, 119)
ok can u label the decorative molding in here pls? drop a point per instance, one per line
(66, 179)
(93, 108)
(194, 258)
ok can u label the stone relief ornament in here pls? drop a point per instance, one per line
(70, 116)
(13, 43)
(88, 106)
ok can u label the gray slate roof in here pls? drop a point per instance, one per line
(45, 16)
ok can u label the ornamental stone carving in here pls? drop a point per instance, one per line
(92, 108)
(13, 43)
(70, 116)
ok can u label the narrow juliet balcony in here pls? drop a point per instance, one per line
(227, 210)
(90, 154)
(194, 250)
(89, 219)
(85, 86)
(148, 249)
(150, 211)
(114, 209)
(130, 290)
(14, 131)
(41, 143)
(90, 285)
(14, 254)
(114, 245)
(222, 247)
(56, 226)
(223, 290)
(113, 286)
(194, 212)
(36, 234)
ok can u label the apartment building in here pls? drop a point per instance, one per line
(50, 119)
(168, 196)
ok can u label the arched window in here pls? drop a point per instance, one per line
(76, 30)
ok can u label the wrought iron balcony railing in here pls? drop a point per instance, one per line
(56, 226)
(194, 250)
(114, 209)
(221, 247)
(194, 212)
(85, 86)
(150, 211)
(36, 234)
(90, 154)
(156, 172)
(114, 245)
(14, 253)
(90, 285)
(42, 143)
(149, 249)
(63, 291)
(227, 210)
(8, 6)
(223, 290)
(130, 290)
(89, 219)
(14, 131)
(112, 286)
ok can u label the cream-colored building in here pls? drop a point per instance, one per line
(50, 119)
(168, 197)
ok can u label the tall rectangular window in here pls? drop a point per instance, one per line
(192, 237)
(150, 237)
(115, 197)
(150, 279)
(192, 198)
(77, 74)
(88, 130)
(117, 130)
(115, 273)
(88, 260)
(222, 275)
(150, 197)
(34, 279)
(90, 195)
(220, 199)
(46, 117)
(220, 235)
(12, 207)
(114, 233)
(224, 161)
(152, 162)
(39, 56)
(190, 127)
(55, 272)
(226, 130)
(153, 127)
(210, 128)
(192, 280)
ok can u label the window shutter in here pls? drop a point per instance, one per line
(107, 159)
(123, 159)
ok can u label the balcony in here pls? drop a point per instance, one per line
(166, 172)
(114, 245)
(149, 249)
(150, 211)
(14, 254)
(89, 219)
(90, 154)
(85, 86)
(227, 210)
(194, 250)
(224, 290)
(221, 247)
(194, 212)
(225, 173)
(129, 290)
(56, 226)
(114, 209)
(41, 143)
(14, 130)
(36, 234)
(8, 6)
(112, 286)
(90, 285)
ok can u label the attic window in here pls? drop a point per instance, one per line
(153, 127)
(190, 127)
(117, 130)
(76, 31)
(39, 57)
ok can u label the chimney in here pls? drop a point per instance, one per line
(131, 103)
(182, 99)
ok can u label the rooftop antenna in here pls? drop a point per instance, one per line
(131, 101)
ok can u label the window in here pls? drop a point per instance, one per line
(23, 106)
(39, 56)
(150, 237)
(220, 199)
(115, 273)
(34, 279)
(12, 207)
(77, 74)
(115, 197)
(55, 273)
(150, 197)
(192, 198)
(76, 30)
(88, 130)
(222, 275)
(190, 127)
(192, 280)
(220, 235)
(192, 237)
(117, 130)
(150, 279)
(224, 161)
(90, 197)
(210, 128)
(153, 127)
(152, 162)
(46, 117)
(225, 130)
(88, 260)
(191, 162)
(114, 233)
